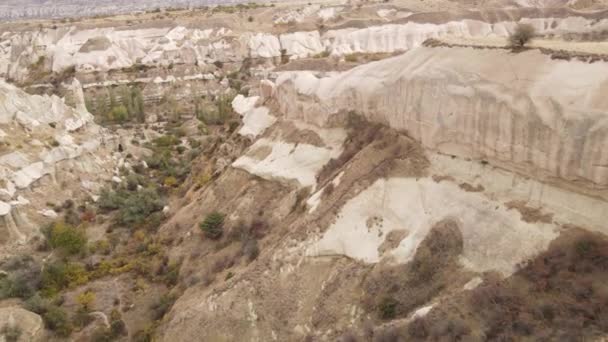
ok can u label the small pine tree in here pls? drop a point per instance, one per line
(213, 225)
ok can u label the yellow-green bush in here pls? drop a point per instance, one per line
(67, 238)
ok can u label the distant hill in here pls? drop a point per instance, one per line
(25, 9)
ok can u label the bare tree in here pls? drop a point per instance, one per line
(521, 36)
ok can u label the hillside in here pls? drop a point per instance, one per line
(374, 171)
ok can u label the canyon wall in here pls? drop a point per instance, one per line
(55, 50)
(524, 112)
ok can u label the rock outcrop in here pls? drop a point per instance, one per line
(46, 137)
(29, 324)
(103, 49)
(458, 102)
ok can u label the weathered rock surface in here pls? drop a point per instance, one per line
(29, 323)
(48, 139)
(458, 102)
(103, 49)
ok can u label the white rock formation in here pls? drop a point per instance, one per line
(29, 323)
(329, 13)
(242, 104)
(264, 45)
(457, 101)
(255, 121)
(103, 49)
(297, 15)
(275, 159)
(416, 205)
(301, 44)
(48, 138)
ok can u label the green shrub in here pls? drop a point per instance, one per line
(133, 207)
(67, 238)
(521, 36)
(323, 54)
(81, 318)
(164, 304)
(37, 304)
(388, 308)
(351, 58)
(119, 114)
(137, 206)
(56, 319)
(166, 141)
(22, 280)
(213, 225)
(12, 286)
(110, 200)
(59, 275)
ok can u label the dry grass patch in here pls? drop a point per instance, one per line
(395, 291)
(561, 295)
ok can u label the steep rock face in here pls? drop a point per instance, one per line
(458, 102)
(396, 37)
(104, 49)
(46, 137)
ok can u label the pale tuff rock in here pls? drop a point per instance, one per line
(297, 15)
(473, 283)
(31, 111)
(301, 44)
(70, 139)
(504, 186)
(14, 160)
(5, 208)
(255, 120)
(416, 205)
(264, 45)
(458, 102)
(266, 89)
(275, 159)
(48, 213)
(383, 13)
(242, 104)
(103, 49)
(329, 13)
(286, 161)
(29, 174)
(30, 324)
(423, 311)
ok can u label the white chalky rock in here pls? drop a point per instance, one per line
(301, 44)
(48, 213)
(29, 174)
(264, 45)
(417, 205)
(242, 104)
(5, 208)
(455, 101)
(255, 121)
(14, 160)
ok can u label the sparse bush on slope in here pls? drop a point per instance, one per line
(521, 36)
(213, 225)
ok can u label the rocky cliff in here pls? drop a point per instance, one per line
(458, 102)
(46, 145)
